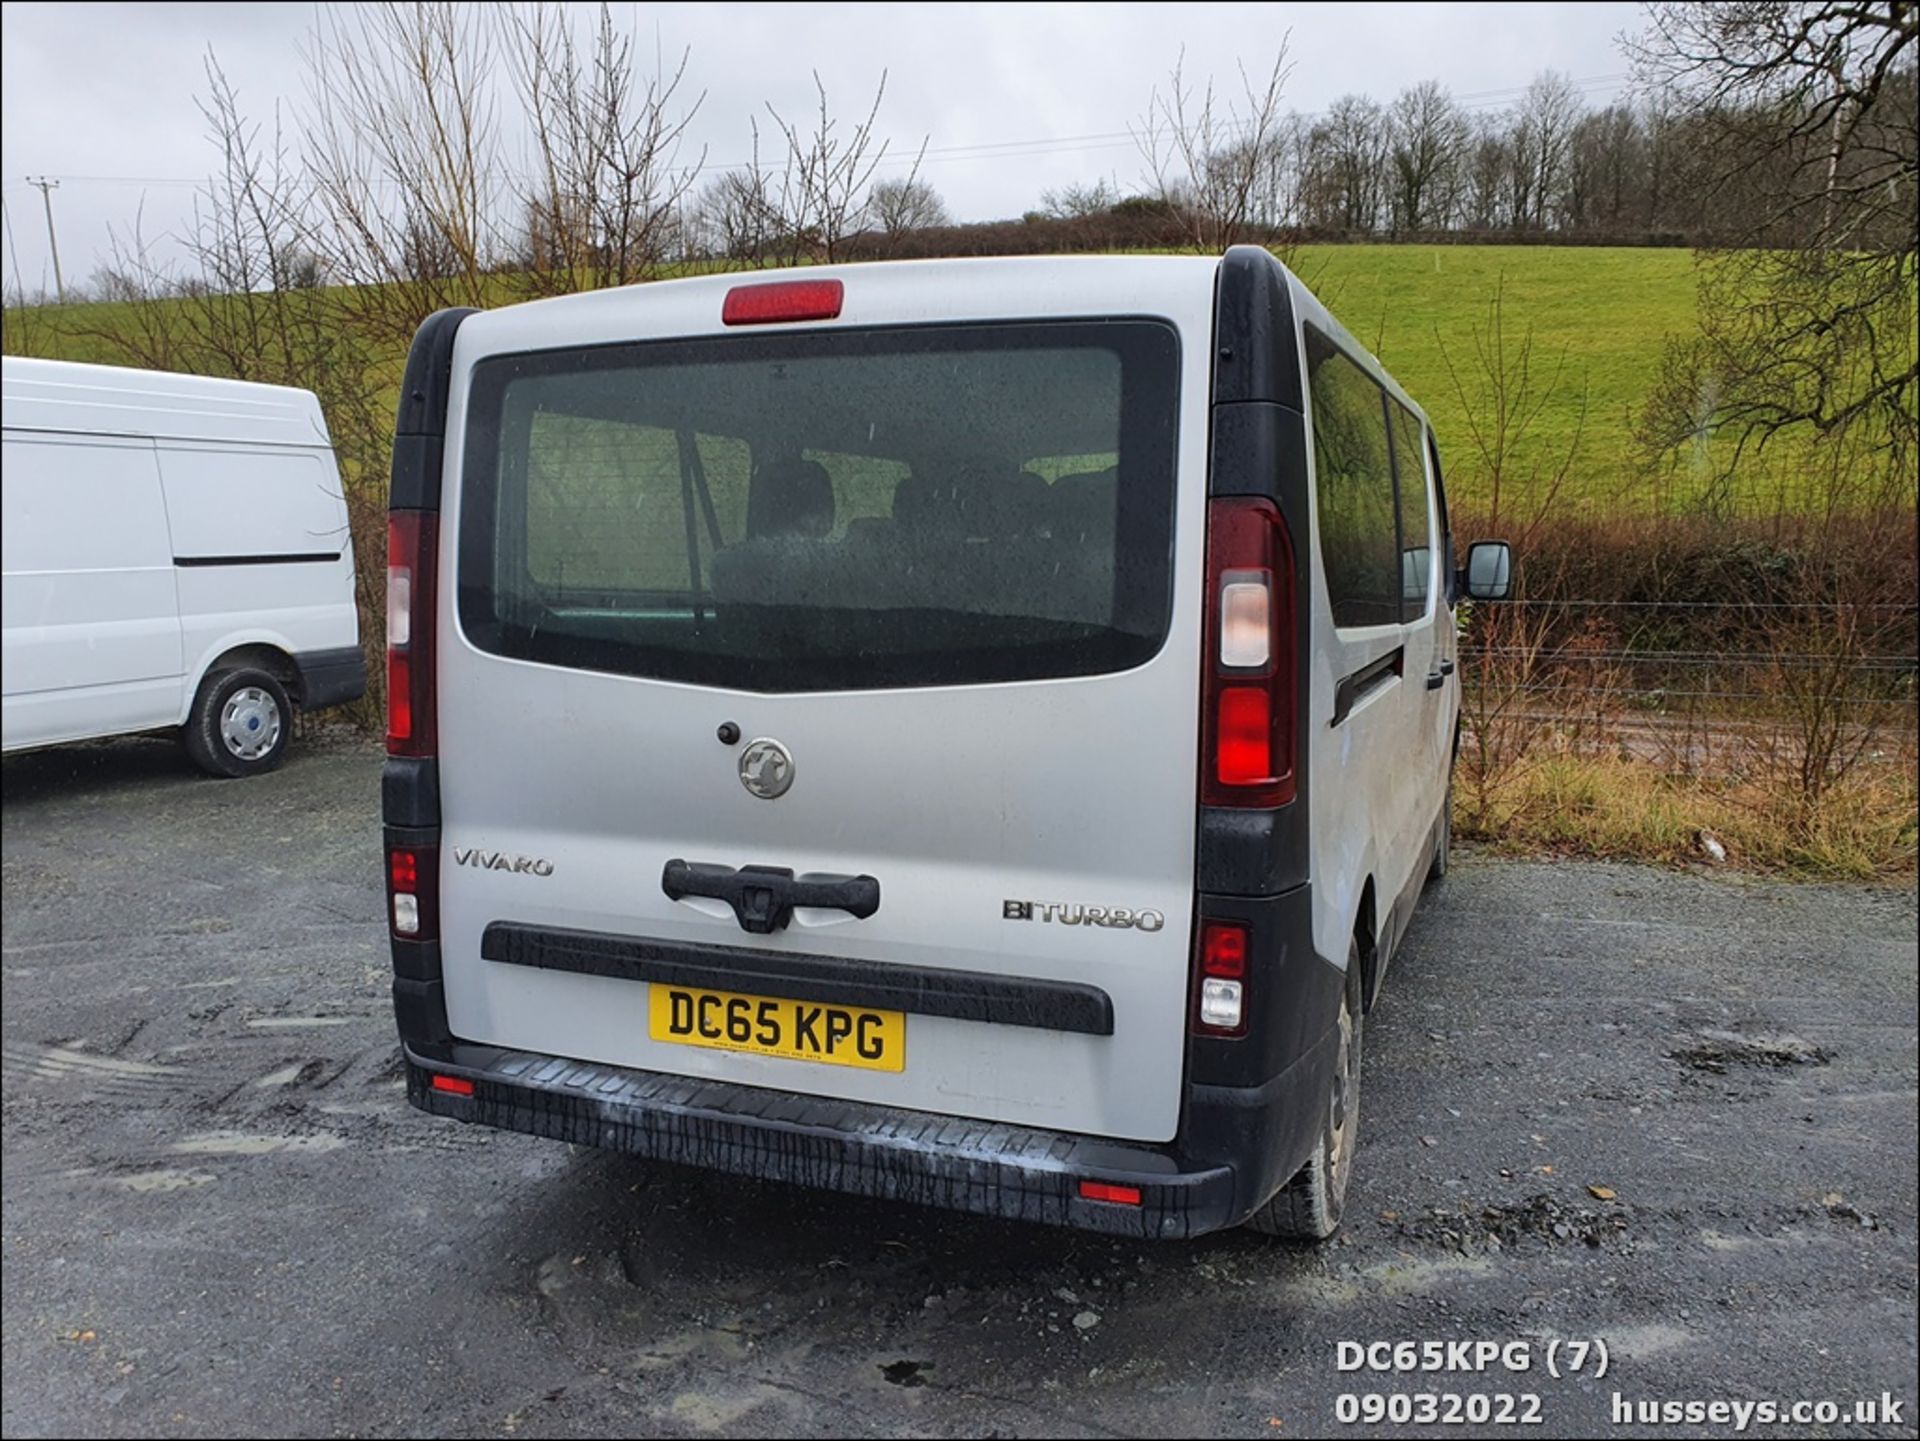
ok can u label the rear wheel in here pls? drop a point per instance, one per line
(240, 723)
(1308, 1208)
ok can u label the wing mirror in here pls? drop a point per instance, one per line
(1489, 570)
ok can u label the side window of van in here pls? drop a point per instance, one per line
(1416, 548)
(1353, 467)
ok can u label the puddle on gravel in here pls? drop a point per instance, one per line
(906, 1373)
(237, 1143)
(292, 1023)
(1715, 1051)
(165, 1179)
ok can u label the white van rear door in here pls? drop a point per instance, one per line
(949, 575)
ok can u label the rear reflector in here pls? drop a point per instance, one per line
(453, 1085)
(1101, 1191)
(782, 300)
(1223, 950)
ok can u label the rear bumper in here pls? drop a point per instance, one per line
(991, 1170)
(1213, 1180)
(331, 677)
(1251, 1109)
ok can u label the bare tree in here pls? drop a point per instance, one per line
(1346, 165)
(1805, 113)
(603, 204)
(1503, 396)
(401, 146)
(898, 206)
(1547, 114)
(823, 191)
(1076, 202)
(1207, 157)
(738, 214)
(1427, 141)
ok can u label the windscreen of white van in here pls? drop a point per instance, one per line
(826, 510)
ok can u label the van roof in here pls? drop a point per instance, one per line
(893, 292)
(60, 395)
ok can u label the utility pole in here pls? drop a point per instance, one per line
(46, 186)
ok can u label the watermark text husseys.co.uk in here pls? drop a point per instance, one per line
(1881, 1410)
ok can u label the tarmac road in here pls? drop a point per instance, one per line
(1670, 1111)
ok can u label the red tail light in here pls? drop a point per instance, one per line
(413, 892)
(1220, 1006)
(1249, 754)
(453, 1085)
(411, 536)
(782, 300)
(1104, 1191)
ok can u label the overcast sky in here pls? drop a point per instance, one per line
(101, 96)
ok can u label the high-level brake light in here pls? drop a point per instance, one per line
(781, 300)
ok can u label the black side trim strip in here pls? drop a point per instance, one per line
(302, 557)
(1347, 694)
(924, 990)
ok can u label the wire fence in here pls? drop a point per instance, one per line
(1702, 684)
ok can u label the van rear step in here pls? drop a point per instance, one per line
(1015, 1173)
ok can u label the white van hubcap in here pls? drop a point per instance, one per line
(250, 723)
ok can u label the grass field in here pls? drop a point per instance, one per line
(1600, 319)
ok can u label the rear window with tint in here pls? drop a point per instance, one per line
(835, 510)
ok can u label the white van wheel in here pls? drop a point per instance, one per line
(240, 723)
(1308, 1207)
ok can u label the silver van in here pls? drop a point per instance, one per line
(964, 732)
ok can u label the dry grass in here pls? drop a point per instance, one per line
(1575, 804)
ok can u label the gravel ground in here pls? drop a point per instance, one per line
(1674, 1112)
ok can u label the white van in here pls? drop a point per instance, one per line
(176, 553)
(968, 732)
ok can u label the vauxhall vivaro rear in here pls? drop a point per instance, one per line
(969, 732)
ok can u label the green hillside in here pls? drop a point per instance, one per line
(1599, 317)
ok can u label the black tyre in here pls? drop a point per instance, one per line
(1309, 1207)
(240, 723)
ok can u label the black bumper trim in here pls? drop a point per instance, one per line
(983, 1167)
(834, 980)
(331, 677)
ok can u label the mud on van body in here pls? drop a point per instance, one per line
(964, 732)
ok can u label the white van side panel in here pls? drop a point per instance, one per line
(279, 516)
(1373, 785)
(238, 500)
(92, 626)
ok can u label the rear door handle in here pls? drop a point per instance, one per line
(764, 897)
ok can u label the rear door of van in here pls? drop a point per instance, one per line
(818, 698)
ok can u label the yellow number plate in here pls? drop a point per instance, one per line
(769, 1026)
